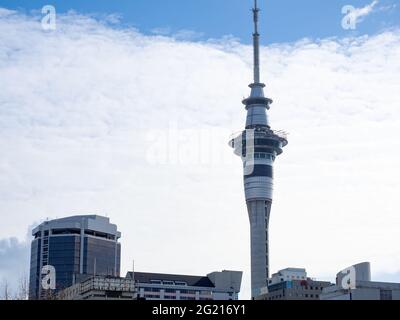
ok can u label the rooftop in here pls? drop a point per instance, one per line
(88, 222)
(194, 281)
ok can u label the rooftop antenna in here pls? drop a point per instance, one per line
(256, 44)
(133, 271)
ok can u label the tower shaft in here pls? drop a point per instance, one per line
(259, 211)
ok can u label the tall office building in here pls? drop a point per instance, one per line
(75, 246)
(258, 146)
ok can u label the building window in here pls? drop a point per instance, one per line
(170, 290)
(188, 291)
(152, 296)
(386, 295)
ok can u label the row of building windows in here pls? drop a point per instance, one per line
(297, 295)
(169, 282)
(313, 288)
(169, 290)
(75, 232)
(261, 155)
(291, 277)
(173, 297)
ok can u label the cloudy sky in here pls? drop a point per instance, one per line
(103, 116)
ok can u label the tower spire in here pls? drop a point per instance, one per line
(256, 44)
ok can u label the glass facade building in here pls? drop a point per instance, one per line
(75, 247)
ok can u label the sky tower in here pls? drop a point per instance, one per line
(258, 146)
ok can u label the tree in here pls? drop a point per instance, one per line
(23, 288)
(5, 292)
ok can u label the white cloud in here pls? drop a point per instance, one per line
(14, 263)
(80, 107)
(5, 12)
(188, 35)
(162, 31)
(389, 7)
(359, 14)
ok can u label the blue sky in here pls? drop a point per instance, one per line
(282, 21)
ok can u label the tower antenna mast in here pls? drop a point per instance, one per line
(256, 44)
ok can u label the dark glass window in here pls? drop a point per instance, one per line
(100, 256)
(64, 256)
(386, 295)
(261, 171)
(170, 290)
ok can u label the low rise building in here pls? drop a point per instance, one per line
(223, 285)
(292, 284)
(354, 283)
(100, 288)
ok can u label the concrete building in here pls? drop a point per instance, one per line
(258, 146)
(100, 288)
(354, 283)
(73, 246)
(223, 285)
(292, 284)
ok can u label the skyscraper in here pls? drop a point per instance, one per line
(76, 247)
(258, 145)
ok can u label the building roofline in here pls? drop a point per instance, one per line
(92, 222)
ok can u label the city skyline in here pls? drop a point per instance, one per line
(97, 145)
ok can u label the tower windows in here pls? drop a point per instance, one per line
(261, 171)
(263, 155)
